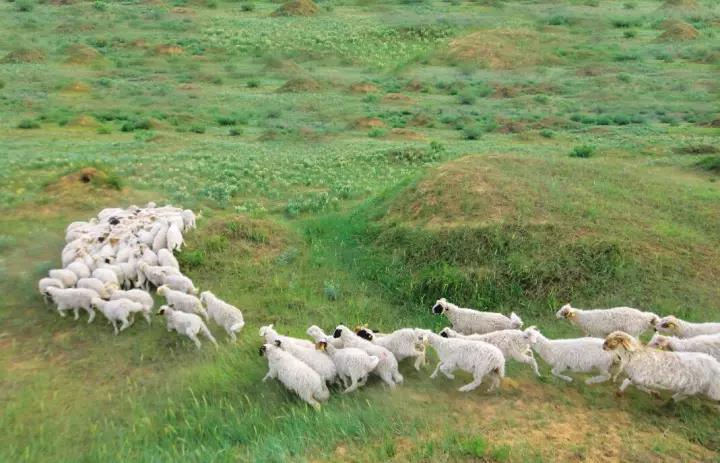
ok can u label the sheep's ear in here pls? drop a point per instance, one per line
(278, 343)
(627, 344)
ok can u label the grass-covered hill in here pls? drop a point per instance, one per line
(352, 162)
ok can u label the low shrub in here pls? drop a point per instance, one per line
(582, 151)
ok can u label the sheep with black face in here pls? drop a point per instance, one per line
(470, 321)
(403, 343)
(387, 368)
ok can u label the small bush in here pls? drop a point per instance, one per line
(467, 96)
(377, 132)
(629, 34)
(28, 124)
(191, 258)
(235, 132)
(197, 128)
(547, 133)
(100, 5)
(710, 164)
(136, 124)
(248, 6)
(226, 121)
(622, 77)
(473, 132)
(253, 83)
(104, 130)
(24, 5)
(582, 151)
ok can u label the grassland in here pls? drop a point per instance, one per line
(351, 167)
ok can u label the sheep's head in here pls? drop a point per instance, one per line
(619, 340)
(365, 334)
(162, 290)
(339, 331)
(163, 310)
(440, 306)
(566, 312)
(204, 296)
(278, 343)
(265, 330)
(446, 332)
(314, 331)
(96, 302)
(262, 350)
(668, 324)
(659, 341)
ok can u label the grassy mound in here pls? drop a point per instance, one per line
(297, 8)
(24, 55)
(83, 181)
(680, 4)
(79, 53)
(168, 50)
(300, 85)
(286, 67)
(363, 87)
(497, 48)
(677, 30)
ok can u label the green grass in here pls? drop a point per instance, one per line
(450, 176)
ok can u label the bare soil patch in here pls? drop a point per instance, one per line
(79, 53)
(678, 31)
(24, 55)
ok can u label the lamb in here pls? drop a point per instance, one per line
(156, 274)
(180, 283)
(182, 302)
(476, 357)
(579, 355)
(106, 275)
(514, 344)
(79, 268)
(75, 299)
(601, 322)
(118, 310)
(167, 259)
(469, 321)
(682, 329)
(318, 335)
(46, 283)
(684, 373)
(295, 375)
(103, 289)
(351, 363)
(137, 295)
(705, 343)
(387, 368)
(403, 343)
(268, 333)
(188, 324)
(68, 277)
(315, 359)
(224, 314)
(174, 238)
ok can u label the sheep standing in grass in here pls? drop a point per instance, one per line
(269, 334)
(187, 324)
(579, 355)
(353, 365)
(514, 344)
(682, 329)
(180, 283)
(705, 343)
(684, 373)
(601, 322)
(403, 343)
(476, 357)
(387, 368)
(46, 283)
(103, 289)
(155, 274)
(295, 375)
(68, 277)
(314, 358)
(174, 238)
(469, 321)
(182, 302)
(79, 268)
(137, 295)
(73, 299)
(224, 314)
(118, 311)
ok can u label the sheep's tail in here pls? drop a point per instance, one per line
(397, 377)
(531, 333)
(499, 370)
(374, 361)
(515, 321)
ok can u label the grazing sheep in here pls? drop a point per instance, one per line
(514, 344)
(705, 343)
(318, 335)
(79, 268)
(295, 375)
(106, 275)
(476, 357)
(73, 299)
(387, 368)
(46, 283)
(174, 238)
(579, 355)
(182, 302)
(268, 333)
(167, 259)
(403, 343)
(315, 359)
(601, 322)
(682, 329)
(118, 310)
(469, 321)
(224, 314)
(68, 277)
(187, 324)
(180, 283)
(137, 295)
(351, 364)
(103, 289)
(684, 373)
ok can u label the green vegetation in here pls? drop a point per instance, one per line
(352, 162)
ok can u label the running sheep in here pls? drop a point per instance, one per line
(103, 289)
(469, 321)
(353, 365)
(682, 329)
(137, 295)
(269, 334)
(187, 324)
(705, 343)
(118, 311)
(46, 283)
(182, 302)
(318, 335)
(73, 299)
(387, 368)
(601, 322)
(403, 343)
(227, 316)
(314, 358)
(295, 375)
(683, 373)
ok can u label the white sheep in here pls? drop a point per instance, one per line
(106, 275)
(514, 344)
(79, 268)
(174, 238)
(68, 277)
(476, 357)
(295, 375)
(137, 295)
(684, 373)
(682, 329)
(46, 283)
(705, 343)
(353, 365)
(579, 355)
(387, 368)
(403, 343)
(227, 316)
(73, 299)
(180, 283)
(167, 259)
(187, 324)
(314, 358)
(103, 289)
(118, 311)
(269, 334)
(182, 302)
(601, 322)
(469, 321)
(318, 335)
(160, 239)
(188, 219)
(156, 274)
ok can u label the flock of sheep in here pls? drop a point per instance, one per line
(110, 263)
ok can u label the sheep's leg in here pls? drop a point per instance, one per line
(557, 371)
(363, 380)
(231, 334)
(147, 317)
(194, 338)
(397, 377)
(419, 361)
(626, 382)
(114, 327)
(353, 386)
(599, 378)
(91, 315)
(125, 324)
(314, 403)
(472, 385)
(435, 372)
(529, 359)
(270, 374)
(387, 378)
(447, 370)
(61, 310)
(76, 313)
(678, 396)
(494, 381)
(343, 380)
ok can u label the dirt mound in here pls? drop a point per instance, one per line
(297, 8)
(363, 87)
(79, 53)
(680, 4)
(406, 134)
(83, 121)
(74, 27)
(414, 86)
(168, 50)
(83, 180)
(24, 55)
(300, 85)
(77, 87)
(286, 67)
(368, 123)
(677, 30)
(397, 98)
(497, 48)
